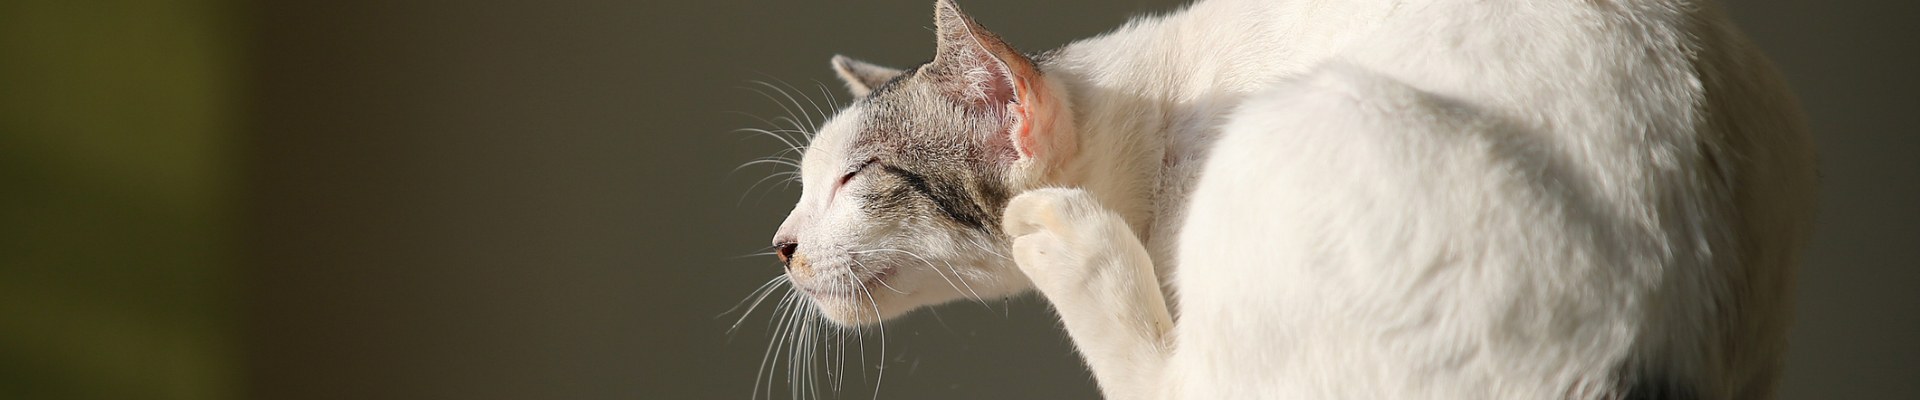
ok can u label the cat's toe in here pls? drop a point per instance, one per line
(1050, 209)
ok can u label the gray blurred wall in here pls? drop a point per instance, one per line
(522, 200)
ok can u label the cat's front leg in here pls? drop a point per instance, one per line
(1086, 261)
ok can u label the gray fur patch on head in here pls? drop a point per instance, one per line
(941, 131)
(937, 160)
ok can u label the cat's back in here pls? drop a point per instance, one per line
(1500, 200)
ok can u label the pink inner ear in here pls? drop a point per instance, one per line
(1024, 141)
(985, 82)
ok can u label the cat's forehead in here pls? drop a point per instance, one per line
(897, 122)
(833, 142)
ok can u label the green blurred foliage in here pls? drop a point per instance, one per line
(116, 122)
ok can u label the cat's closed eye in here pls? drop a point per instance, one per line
(855, 171)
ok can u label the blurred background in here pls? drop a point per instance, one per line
(361, 199)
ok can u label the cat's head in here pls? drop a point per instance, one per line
(903, 189)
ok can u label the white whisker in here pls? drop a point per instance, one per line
(769, 160)
(758, 296)
(790, 142)
(760, 254)
(762, 374)
(805, 135)
(883, 340)
(791, 111)
(956, 275)
(809, 98)
(798, 110)
(756, 184)
(882, 282)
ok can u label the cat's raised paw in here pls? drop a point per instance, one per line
(1050, 209)
(1061, 235)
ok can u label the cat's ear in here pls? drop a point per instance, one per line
(994, 80)
(862, 77)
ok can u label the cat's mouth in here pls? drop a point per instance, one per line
(856, 299)
(866, 285)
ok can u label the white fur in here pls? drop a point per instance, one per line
(1420, 199)
(1424, 199)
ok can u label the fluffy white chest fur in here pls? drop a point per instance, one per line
(1421, 199)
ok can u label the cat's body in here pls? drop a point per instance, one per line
(1438, 199)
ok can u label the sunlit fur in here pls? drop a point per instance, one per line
(1437, 199)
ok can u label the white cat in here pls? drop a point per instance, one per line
(1420, 199)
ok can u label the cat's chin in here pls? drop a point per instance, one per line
(890, 292)
(854, 303)
(880, 299)
(859, 310)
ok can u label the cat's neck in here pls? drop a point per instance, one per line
(1121, 136)
(1147, 98)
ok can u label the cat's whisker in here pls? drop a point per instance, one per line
(803, 94)
(793, 164)
(795, 111)
(758, 297)
(838, 345)
(756, 185)
(795, 123)
(956, 275)
(882, 282)
(791, 153)
(822, 87)
(936, 271)
(760, 254)
(813, 353)
(829, 336)
(840, 352)
(976, 243)
(763, 373)
(769, 160)
(839, 361)
(799, 363)
(763, 251)
(787, 336)
(860, 337)
(774, 127)
(783, 124)
(812, 336)
(831, 100)
(823, 109)
(785, 178)
(764, 178)
(790, 142)
(792, 177)
(797, 337)
(795, 135)
(882, 375)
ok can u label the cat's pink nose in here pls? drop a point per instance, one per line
(785, 250)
